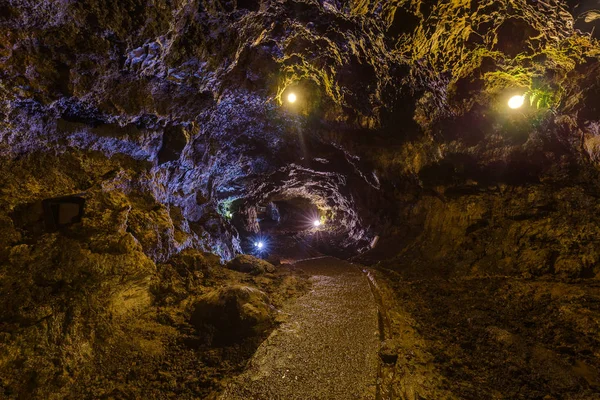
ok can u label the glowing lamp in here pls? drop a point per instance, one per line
(516, 101)
(316, 223)
(292, 97)
(259, 245)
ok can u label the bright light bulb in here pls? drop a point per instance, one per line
(259, 245)
(516, 101)
(316, 222)
(292, 97)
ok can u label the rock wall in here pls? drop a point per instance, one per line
(529, 231)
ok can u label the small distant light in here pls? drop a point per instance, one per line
(292, 97)
(259, 244)
(228, 214)
(316, 222)
(516, 101)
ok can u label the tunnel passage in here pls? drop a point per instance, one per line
(295, 214)
(292, 227)
(282, 209)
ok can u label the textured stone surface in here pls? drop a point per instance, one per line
(249, 264)
(170, 118)
(492, 337)
(233, 312)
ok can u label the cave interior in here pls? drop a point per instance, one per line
(165, 164)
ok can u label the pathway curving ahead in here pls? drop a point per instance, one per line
(328, 347)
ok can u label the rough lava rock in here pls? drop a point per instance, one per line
(388, 351)
(232, 313)
(250, 264)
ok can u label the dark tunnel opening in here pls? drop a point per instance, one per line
(290, 228)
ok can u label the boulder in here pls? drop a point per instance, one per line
(233, 313)
(388, 352)
(250, 265)
(568, 266)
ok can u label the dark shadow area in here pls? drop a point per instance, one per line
(290, 229)
(49, 215)
(587, 16)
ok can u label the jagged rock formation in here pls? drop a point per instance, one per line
(249, 264)
(233, 312)
(170, 118)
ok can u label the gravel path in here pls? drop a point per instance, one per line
(327, 349)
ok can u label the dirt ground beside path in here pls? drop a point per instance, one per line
(493, 338)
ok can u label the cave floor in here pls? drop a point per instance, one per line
(495, 337)
(327, 348)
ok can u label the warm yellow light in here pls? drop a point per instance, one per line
(292, 97)
(516, 101)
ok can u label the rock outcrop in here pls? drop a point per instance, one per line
(250, 264)
(233, 313)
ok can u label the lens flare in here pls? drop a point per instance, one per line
(292, 97)
(259, 245)
(516, 101)
(316, 223)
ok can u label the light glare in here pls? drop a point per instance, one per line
(292, 97)
(316, 222)
(516, 101)
(259, 245)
